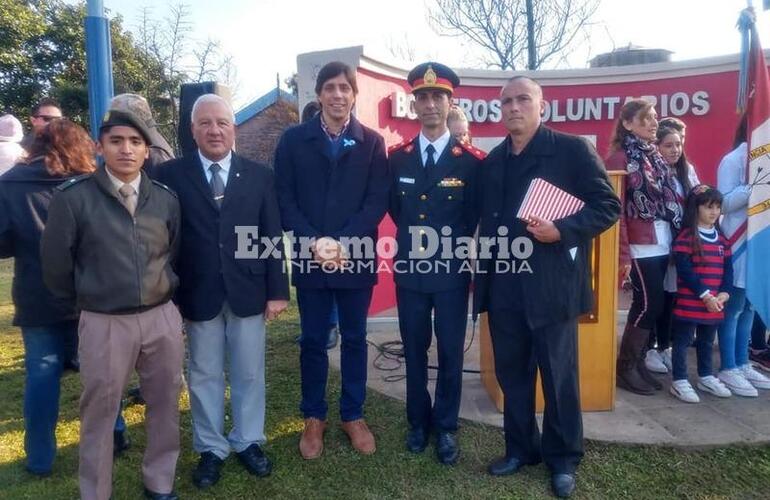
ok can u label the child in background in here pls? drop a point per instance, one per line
(704, 272)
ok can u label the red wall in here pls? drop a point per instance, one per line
(709, 136)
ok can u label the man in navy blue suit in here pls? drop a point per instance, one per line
(435, 181)
(332, 179)
(232, 279)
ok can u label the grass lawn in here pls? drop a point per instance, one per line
(608, 471)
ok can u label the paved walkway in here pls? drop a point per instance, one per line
(659, 419)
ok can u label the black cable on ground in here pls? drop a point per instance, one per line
(390, 357)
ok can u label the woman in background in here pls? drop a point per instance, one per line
(49, 326)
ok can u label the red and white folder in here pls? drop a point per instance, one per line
(548, 202)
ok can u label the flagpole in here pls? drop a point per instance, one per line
(99, 63)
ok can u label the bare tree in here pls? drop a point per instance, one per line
(514, 33)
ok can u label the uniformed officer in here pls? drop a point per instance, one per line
(110, 245)
(433, 197)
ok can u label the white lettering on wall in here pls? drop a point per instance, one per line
(573, 109)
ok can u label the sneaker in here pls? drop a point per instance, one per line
(761, 358)
(665, 356)
(754, 377)
(682, 389)
(737, 383)
(654, 362)
(712, 385)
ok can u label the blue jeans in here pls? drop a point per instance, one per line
(735, 330)
(704, 345)
(315, 307)
(46, 349)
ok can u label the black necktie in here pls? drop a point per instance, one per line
(430, 162)
(216, 184)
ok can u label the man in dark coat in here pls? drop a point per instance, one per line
(536, 284)
(332, 179)
(231, 280)
(433, 195)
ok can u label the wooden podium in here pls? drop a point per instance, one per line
(596, 331)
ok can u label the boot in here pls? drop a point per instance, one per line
(632, 344)
(645, 373)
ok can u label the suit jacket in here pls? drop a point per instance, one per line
(445, 195)
(559, 287)
(210, 273)
(342, 196)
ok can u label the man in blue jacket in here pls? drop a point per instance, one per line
(230, 283)
(332, 179)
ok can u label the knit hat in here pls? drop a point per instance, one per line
(10, 129)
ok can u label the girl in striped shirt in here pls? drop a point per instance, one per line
(704, 273)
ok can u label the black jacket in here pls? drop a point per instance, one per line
(342, 197)
(444, 196)
(94, 250)
(210, 273)
(25, 194)
(559, 287)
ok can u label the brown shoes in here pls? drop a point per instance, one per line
(311, 444)
(360, 436)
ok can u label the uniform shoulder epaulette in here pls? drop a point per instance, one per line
(161, 185)
(400, 145)
(476, 152)
(72, 181)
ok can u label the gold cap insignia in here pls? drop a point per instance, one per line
(106, 117)
(430, 76)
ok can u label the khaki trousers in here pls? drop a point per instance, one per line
(111, 348)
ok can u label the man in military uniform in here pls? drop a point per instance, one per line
(109, 244)
(433, 196)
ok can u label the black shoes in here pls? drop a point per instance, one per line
(505, 466)
(121, 443)
(207, 472)
(160, 496)
(447, 450)
(209, 468)
(563, 485)
(417, 440)
(255, 461)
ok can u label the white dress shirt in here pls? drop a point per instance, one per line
(224, 163)
(439, 144)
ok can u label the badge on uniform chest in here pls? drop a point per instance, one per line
(451, 182)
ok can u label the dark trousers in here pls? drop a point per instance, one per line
(450, 314)
(704, 345)
(758, 334)
(315, 307)
(662, 337)
(647, 301)
(519, 351)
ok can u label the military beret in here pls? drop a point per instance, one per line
(115, 118)
(433, 75)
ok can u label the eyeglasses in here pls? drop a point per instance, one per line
(47, 118)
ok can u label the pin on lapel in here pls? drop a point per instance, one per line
(457, 151)
(348, 142)
(237, 174)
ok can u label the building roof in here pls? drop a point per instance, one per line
(252, 109)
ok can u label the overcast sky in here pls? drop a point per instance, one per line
(265, 36)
